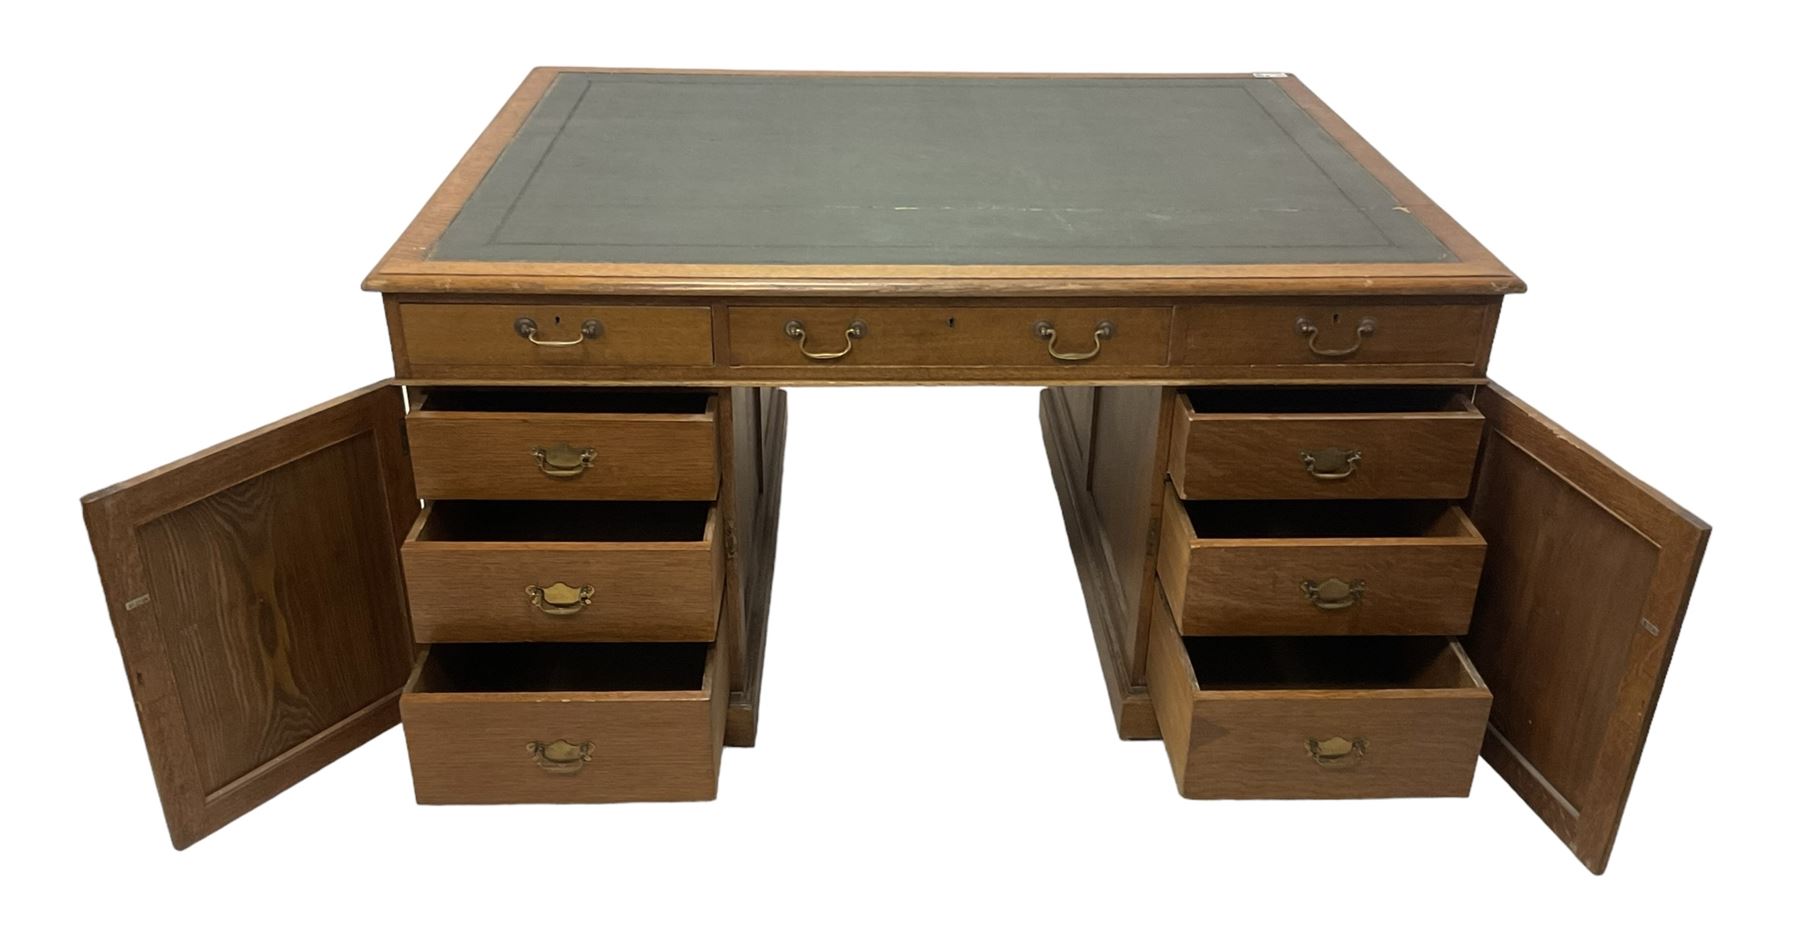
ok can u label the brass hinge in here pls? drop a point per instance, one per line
(730, 540)
(137, 602)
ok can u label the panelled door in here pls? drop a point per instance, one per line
(255, 590)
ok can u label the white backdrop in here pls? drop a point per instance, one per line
(194, 194)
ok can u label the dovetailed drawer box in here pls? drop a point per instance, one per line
(603, 445)
(950, 335)
(565, 723)
(565, 571)
(1324, 443)
(1281, 568)
(552, 341)
(1272, 718)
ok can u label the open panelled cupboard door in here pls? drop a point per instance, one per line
(255, 589)
(1588, 575)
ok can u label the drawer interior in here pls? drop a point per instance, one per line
(565, 521)
(542, 667)
(564, 401)
(1327, 663)
(1325, 519)
(1327, 401)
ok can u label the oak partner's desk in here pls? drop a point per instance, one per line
(1288, 486)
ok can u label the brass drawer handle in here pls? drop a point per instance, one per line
(560, 600)
(1330, 464)
(1305, 328)
(855, 332)
(563, 461)
(561, 756)
(1337, 751)
(1333, 593)
(1047, 332)
(527, 328)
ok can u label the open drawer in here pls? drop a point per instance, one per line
(565, 571)
(1258, 717)
(565, 723)
(1315, 568)
(1324, 443)
(599, 444)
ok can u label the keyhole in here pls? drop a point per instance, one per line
(952, 321)
(557, 319)
(1334, 317)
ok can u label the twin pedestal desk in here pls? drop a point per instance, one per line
(1323, 556)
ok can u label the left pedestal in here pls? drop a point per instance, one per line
(590, 573)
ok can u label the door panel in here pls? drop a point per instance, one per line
(255, 591)
(1588, 575)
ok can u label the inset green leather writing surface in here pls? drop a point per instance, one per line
(765, 169)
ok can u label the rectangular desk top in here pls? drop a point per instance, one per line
(660, 182)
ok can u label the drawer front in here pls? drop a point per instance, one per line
(1319, 587)
(550, 456)
(566, 747)
(1243, 742)
(1372, 455)
(948, 336)
(1329, 333)
(584, 591)
(497, 340)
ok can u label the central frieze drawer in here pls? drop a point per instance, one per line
(565, 723)
(566, 571)
(1324, 443)
(1302, 568)
(966, 335)
(598, 444)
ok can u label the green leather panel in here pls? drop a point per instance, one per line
(681, 168)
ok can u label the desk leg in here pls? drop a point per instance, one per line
(759, 439)
(1106, 447)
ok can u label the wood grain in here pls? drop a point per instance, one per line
(739, 413)
(255, 590)
(1130, 702)
(949, 334)
(453, 334)
(637, 456)
(464, 588)
(1130, 438)
(1258, 333)
(1080, 401)
(471, 746)
(1420, 738)
(756, 566)
(1588, 578)
(1419, 579)
(1425, 333)
(1261, 454)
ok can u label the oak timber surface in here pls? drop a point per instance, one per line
(256, 593)
(844, 169)
(1587, 582)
